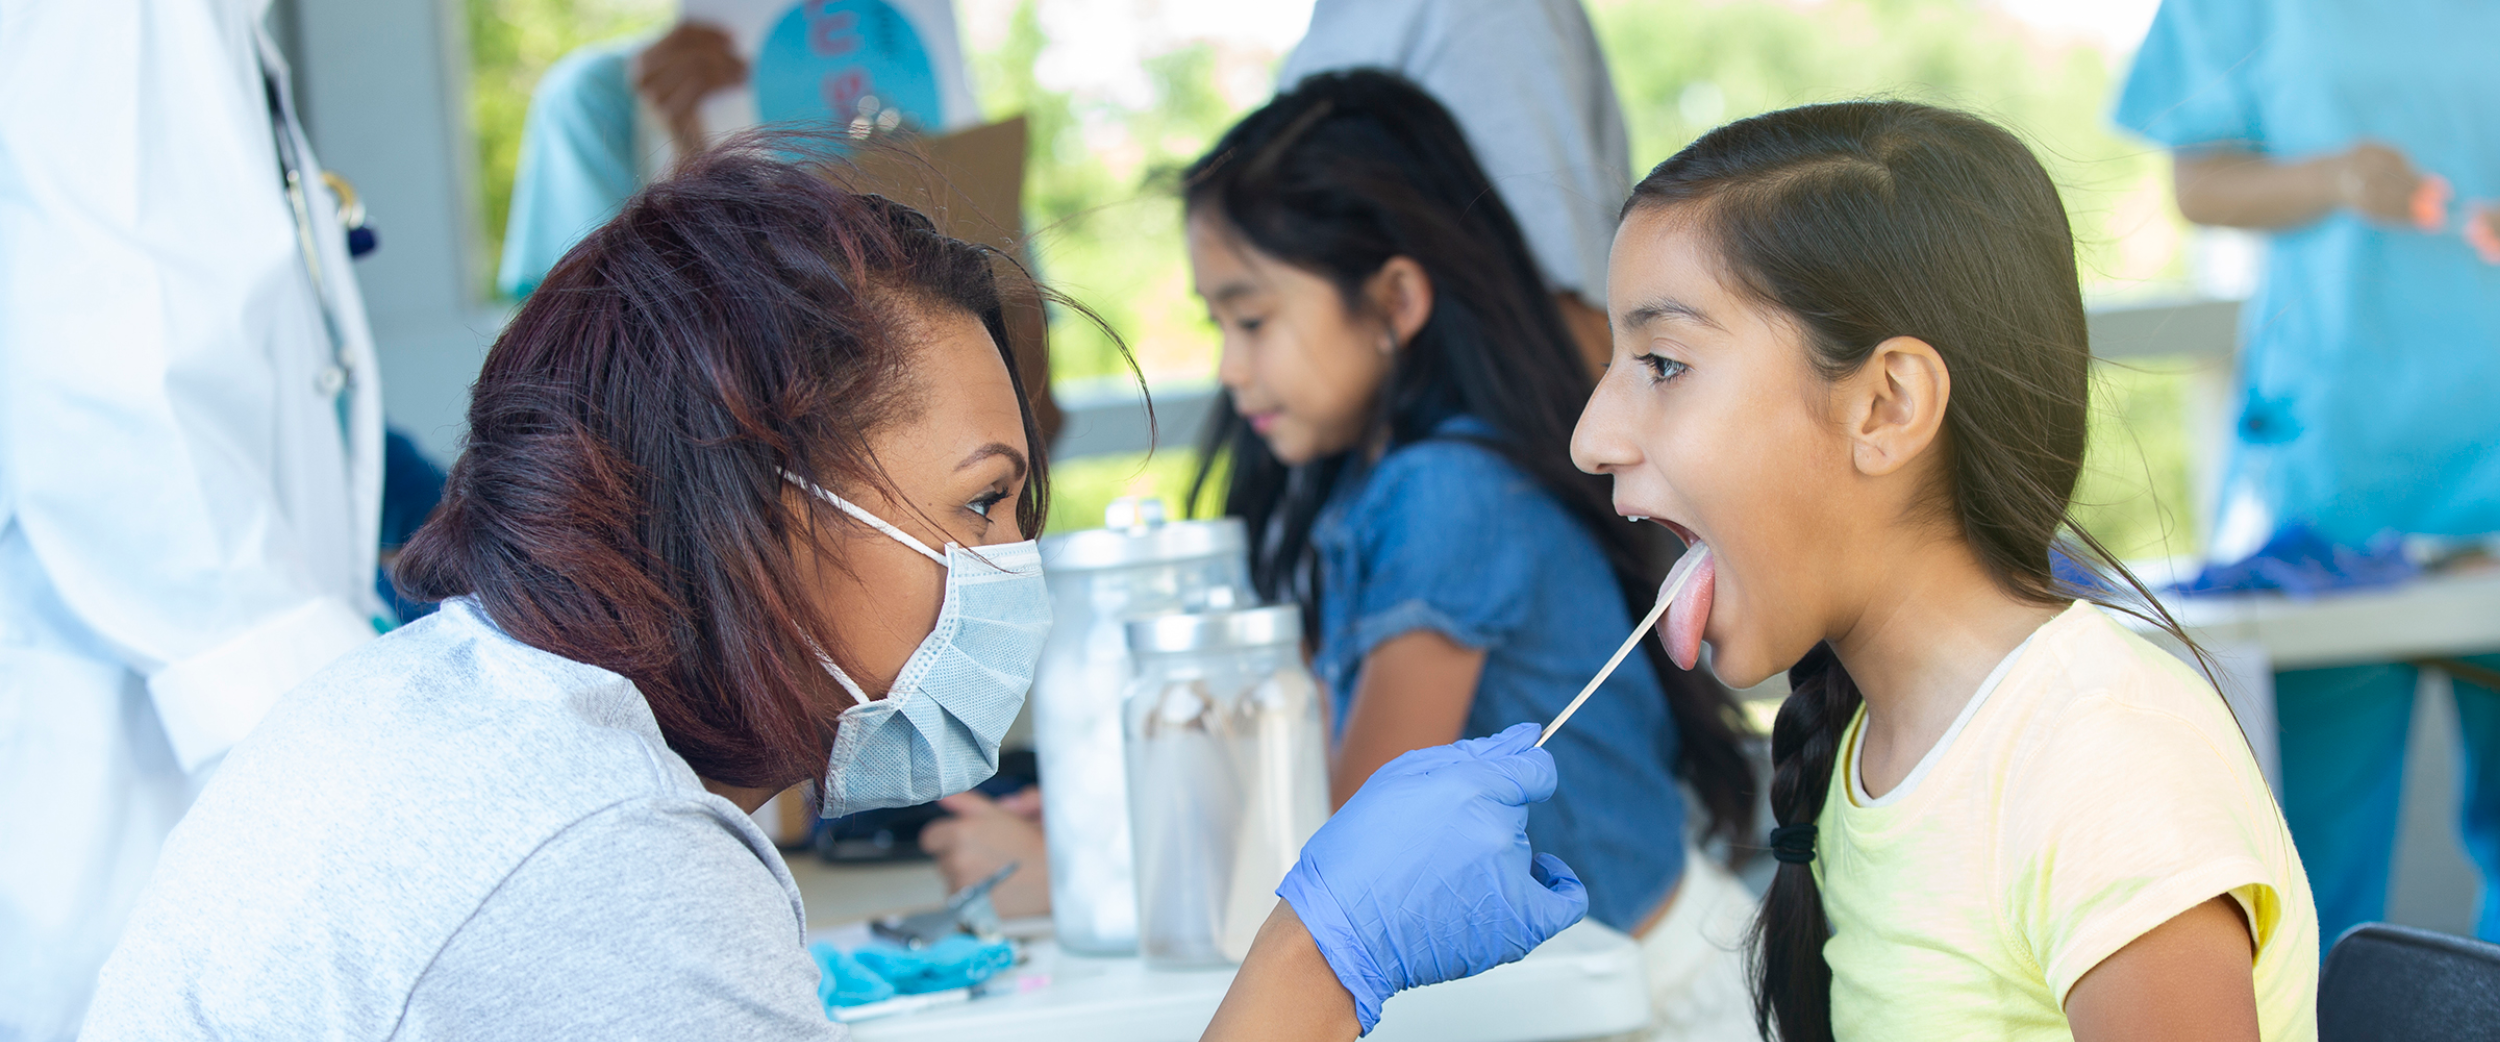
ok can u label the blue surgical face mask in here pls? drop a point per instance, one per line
(936, 731)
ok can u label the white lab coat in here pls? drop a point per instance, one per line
(190, 464)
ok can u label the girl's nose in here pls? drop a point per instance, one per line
(1232, 368)
(1603, 441)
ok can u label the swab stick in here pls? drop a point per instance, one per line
(1681, 574)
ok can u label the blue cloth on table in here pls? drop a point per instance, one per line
(877, 972)
(2076, 575)
(2301, 562)
(960, 961)
(845, 982)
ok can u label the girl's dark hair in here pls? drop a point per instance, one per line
(1864, 221)
(620, 500)
(1338, 176)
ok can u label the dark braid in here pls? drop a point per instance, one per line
(1787, 948)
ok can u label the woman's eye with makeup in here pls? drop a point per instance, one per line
(1662, 368)
(982, 503)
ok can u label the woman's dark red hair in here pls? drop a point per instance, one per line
(620, 500)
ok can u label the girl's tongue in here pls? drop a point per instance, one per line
(1691, 610)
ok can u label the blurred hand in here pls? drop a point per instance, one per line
(2377, 182)
(2482, 232)
(679, 70)
(982, 837)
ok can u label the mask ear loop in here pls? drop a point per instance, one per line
(859, 697)
(866, 518)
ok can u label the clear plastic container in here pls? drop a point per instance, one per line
(1227, 777)
(1100, 580)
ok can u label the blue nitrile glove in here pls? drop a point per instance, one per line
(1425, 875)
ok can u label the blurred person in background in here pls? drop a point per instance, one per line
(190, 450)
(2361, 140)
(1530, 89)
(610, 117)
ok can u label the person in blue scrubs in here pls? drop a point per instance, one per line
(2368, 357)
(609, 116)
(577, 160)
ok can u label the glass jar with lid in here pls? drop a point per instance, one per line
(1139, 566)
(1227, 776)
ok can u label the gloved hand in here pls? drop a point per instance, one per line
(1425, 875)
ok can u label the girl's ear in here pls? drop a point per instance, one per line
(1894, 405)
(1401, 293)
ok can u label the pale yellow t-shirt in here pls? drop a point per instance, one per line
(2100, 789)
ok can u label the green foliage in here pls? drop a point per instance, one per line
(1100, 204)
(1685, 66)
(1081, 488)
(2136, 494)
(511, 44)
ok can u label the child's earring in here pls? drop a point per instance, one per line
(1388, 345)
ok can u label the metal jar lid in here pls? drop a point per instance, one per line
(1208, 631)
(1144, 538)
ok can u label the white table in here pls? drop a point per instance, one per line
(2436, 615)
(2252, 635)
(1585, 983)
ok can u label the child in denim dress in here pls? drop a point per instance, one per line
(1401, 393)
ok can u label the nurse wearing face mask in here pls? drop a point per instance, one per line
(747, 502)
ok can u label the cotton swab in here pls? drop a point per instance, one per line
(1682, 574)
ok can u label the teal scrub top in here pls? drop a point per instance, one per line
(578, 164)
(2370, 357)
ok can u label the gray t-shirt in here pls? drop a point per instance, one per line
(1529, 88)
(450, 834)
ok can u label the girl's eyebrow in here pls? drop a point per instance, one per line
(1228, 292)
(1663, 309)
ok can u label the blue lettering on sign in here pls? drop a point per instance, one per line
(824, 56)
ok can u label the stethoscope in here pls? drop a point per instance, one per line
(296, 174)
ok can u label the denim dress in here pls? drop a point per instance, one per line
(1444, 534)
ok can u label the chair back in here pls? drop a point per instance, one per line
(2387, 983)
